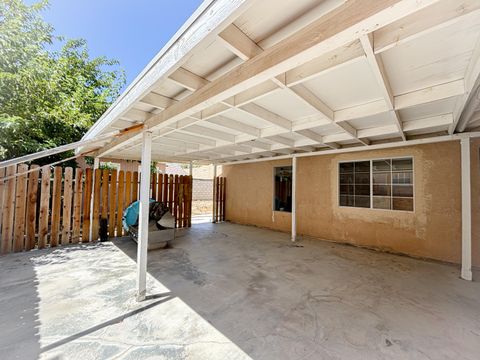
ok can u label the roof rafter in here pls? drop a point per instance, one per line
(378, 70)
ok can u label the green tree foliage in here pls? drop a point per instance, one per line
(47, 97)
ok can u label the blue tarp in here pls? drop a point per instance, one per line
(130, 214)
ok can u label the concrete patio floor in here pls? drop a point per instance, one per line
(235, 292)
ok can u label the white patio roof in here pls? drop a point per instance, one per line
(246, 79)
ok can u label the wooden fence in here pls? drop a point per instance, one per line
(40, 207)
(219, 194)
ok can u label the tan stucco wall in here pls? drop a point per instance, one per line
(433, 230)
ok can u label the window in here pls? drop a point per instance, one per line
(283, 189)
(378, 184)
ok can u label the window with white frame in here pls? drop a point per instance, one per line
(378, 184)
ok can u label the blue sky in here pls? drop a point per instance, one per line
(127, 30)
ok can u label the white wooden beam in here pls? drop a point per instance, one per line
(264, 114)
(235, 125)
(378, 70)
(466, 211)
(311, 99)
(192, 139)
(281, 140)
(414, 98)
(472, 78)
(157, 100)
(143, 216)
(211, 133)
(310, 134)
(313, 68)
(434, 17)
(239, 43)
(188, 80)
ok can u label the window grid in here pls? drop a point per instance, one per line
(398, 176)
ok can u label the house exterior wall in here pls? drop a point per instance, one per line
(432, 230)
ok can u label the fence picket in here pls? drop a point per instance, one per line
(159, 188)
(2, 195)
(44, 208)
(170, 194)
(113, 203)
(154, 185)
(67, 206)
(32, 195)
(96, 204)
(77, 206)
(104, 205)
(135, 186)
(120, 203)
(224, 196)
(165, 189)
(128, 188)
(56, 206)
(8, 212)
(87, 200)
(20, 206)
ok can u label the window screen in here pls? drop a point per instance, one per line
(355, 184)
(389, 180)
(283, 189)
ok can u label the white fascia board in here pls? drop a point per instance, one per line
(211, 17)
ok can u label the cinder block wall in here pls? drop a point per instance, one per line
(433, 230)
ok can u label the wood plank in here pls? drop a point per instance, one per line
(8, 211)
(2, 197)
(120, 202)
(31, 219)
(77, 206)
(160, 188)
(153, 177)
(113, 204)
(87, 198)
(128, 188)
(217, 193)
(104, 204)
(165, 189)
(44, 207)
(20, 207)
(67, 206)
(190, 198)
(180, 201)
(186, 180)
(96, 204)
(175, 199)
(170, 194)
(135, 186)
(224, 197)
(220, 199)
(56, 206)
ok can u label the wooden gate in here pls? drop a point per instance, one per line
(219, 195)
(40, 207)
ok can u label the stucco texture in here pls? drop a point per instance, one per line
(432, 230)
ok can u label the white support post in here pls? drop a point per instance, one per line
(96, 165)
(142, 246)
(466, 211)
(214, 192)
(294, 195)
(191, 168)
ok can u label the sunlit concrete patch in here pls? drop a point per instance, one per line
(85, 308)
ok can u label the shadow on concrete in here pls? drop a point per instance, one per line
(163, 298)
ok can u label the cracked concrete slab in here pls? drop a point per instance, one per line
(235, 292)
